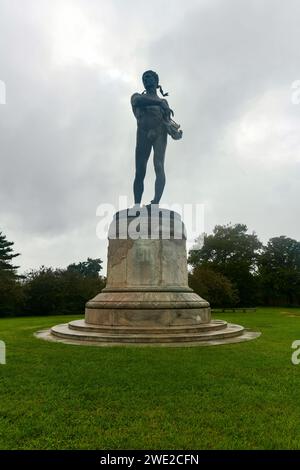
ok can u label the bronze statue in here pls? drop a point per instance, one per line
(154, 123)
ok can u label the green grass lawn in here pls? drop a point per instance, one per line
(239, 396)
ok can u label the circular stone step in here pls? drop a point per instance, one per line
(63, 331)
(81, 325)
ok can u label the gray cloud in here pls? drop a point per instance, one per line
(67, 133)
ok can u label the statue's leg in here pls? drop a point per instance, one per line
(159, 147)
(142, 153)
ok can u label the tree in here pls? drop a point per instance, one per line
(6, 255)
(213, 287)
(279, 272)
(42, 291)
(11, 295)
(51, 291)
(77, 288)
(231, 251)
(91, 267)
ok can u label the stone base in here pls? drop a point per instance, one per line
(147, 300)
(211, 334)
(140, 308)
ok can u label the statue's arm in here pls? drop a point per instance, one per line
(139, 100)
(166, 109)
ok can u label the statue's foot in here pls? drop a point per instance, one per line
(134, 209)
(151, 204)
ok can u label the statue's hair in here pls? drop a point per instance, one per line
(157, 82)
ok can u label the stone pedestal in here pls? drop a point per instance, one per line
(147, 278)
(147, 299)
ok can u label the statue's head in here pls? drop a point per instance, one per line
(151, 80)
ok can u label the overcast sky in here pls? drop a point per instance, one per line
(67, 132)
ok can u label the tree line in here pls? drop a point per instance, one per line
(47, 290)
(233, 268)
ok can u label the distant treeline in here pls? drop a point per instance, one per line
(46, 291)
(232, 269)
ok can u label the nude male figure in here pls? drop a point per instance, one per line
(154, 123)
